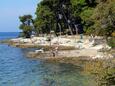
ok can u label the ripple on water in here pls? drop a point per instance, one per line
(17, 70)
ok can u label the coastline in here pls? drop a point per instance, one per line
(68, 47)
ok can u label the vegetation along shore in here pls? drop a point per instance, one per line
(72, 31)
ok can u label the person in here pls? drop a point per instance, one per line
(56, 50)
(53, 52)
(80, 30)
(91, 38)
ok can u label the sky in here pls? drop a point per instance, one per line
(10, 10)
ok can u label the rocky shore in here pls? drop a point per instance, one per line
(68, 46)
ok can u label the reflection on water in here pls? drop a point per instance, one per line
(17, 70)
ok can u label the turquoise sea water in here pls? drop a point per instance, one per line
(18, 70)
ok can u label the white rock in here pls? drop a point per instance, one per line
(40, 50)
(107, 47)
(98, 57)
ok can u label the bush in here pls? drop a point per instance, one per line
(111, 42)
(103, 71)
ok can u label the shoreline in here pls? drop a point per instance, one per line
(67, 47)
(83, 54)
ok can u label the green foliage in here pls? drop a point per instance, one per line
(44, 19)
(103, 72)
(104, 18)
(98, 16)
(111, 42)
(25, 25)
(24, 18)
(25, 28)
(46, 13)
(76, 2)
(87, 13)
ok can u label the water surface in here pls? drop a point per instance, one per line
(18, 70)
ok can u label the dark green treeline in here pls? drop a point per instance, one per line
(95, 17)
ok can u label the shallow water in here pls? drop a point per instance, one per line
(18, 70)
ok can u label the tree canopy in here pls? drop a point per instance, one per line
(26, 25)
(64, 16)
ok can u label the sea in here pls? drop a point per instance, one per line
(16, 69)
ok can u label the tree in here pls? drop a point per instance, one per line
(55, 15)
(96, 16)
(44, 19)
(104, 18)
(26, 25)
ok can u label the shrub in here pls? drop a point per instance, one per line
(111, 42)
